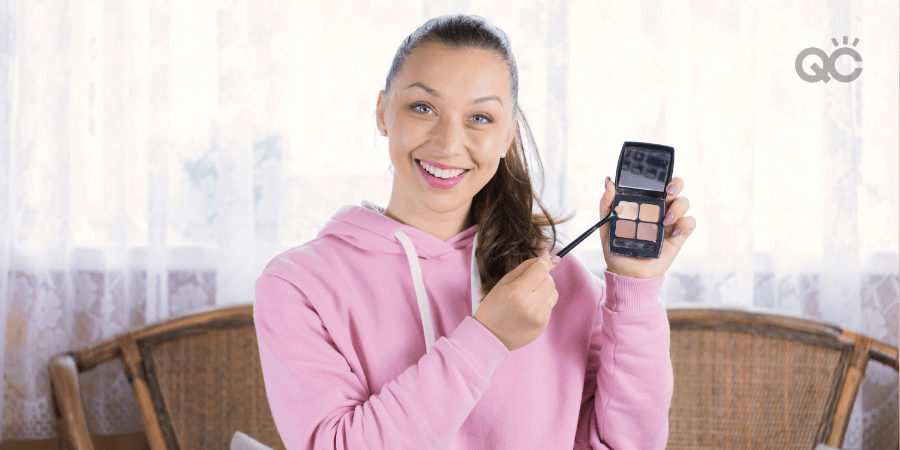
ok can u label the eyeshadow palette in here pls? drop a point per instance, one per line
(643, 172)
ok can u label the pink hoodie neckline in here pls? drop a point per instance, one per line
(365, 226)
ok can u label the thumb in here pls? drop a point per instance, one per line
(609, 194)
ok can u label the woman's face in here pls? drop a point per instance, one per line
(448, 108)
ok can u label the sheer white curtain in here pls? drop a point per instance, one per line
(154, 155)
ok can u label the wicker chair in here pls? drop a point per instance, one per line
(742, 380)
(197, 379)
(748, 380)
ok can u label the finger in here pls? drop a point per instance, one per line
(534, 275)
(545, 289)
(673, 189)
(549, 304)
(681, 231)
(514, 274)
(675, 211)
(684, 228)
(552, 254)
(551, 298)
(609, 194)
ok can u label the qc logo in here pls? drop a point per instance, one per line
(821, 73)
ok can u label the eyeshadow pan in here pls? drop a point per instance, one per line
(647, 231)
(625, 229)
(630, 211)
(649, 213)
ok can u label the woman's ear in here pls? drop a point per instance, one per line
(379, 113)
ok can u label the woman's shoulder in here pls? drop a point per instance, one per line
(317, 271)
(319, 255)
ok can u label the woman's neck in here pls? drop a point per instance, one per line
(440, 225)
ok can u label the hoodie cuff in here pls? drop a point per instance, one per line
(480, 347)
(625, 294)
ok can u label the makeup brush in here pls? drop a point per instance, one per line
(614, 213)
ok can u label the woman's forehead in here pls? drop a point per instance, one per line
(443, 69)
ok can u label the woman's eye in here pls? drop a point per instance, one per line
(481, 119)
(421, 108)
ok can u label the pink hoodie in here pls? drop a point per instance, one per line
(367, 340)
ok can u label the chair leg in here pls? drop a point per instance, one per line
(131, 362)
(855, 373)
(69, 411)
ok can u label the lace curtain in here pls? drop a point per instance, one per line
(155, 155)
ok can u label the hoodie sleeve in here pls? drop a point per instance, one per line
(317, 402)
(634, 379)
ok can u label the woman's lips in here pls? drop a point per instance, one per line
(440, 183)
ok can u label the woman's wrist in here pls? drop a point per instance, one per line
(632, 272)
(626, 294)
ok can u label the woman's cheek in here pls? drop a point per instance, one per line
(494, 145)
(408, 134)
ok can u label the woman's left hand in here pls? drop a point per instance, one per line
(678, 228)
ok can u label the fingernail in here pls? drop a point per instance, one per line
(606, 183)
(672, 188)
(554, 259)
(668, 220)
(676, 232)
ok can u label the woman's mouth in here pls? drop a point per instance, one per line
(440, 178)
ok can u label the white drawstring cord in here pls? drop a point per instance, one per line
(419, 285)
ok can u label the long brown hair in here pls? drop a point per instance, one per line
(509, 231)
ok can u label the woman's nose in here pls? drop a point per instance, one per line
(449, 135)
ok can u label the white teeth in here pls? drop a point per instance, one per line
(441, 173)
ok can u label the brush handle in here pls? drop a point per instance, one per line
(587, 233)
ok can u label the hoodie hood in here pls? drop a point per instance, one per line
(366, 227)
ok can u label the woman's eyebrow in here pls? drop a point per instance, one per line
(487, 99)
(435, 93)
(427, 89)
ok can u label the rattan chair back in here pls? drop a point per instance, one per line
(742, 380)
(748, 380)
(196, 378)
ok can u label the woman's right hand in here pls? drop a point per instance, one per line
(517, 309)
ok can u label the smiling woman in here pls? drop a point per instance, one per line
(449, 123)
(155, 156)
(460, 228)
(452, 104)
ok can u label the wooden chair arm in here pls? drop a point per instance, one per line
(884, 353)
(90, 357)
(69, 411)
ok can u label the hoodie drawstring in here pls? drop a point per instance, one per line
(476, 278)
(416, 271)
